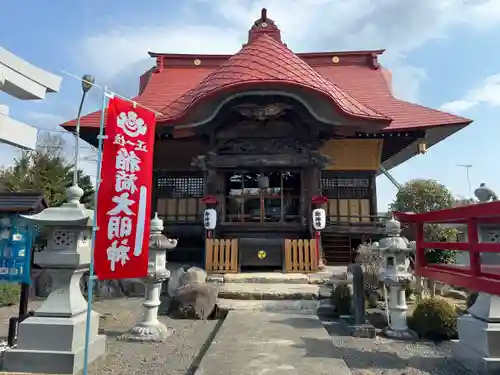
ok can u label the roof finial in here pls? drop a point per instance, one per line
(263, 14)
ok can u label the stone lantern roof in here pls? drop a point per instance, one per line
(70, 213)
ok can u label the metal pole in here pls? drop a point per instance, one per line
(77, 140)
(390, 177)
(90, 285)
(468, 180)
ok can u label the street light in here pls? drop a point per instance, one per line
(87, 83)
(467, 167)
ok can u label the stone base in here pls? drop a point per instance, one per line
(407, 334)
(474, 360)
(482, 336)
(54, 345)
(52, 362)
(365, 330)
(478, 347)
(145, 332)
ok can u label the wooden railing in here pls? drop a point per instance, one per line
(301, 256)
(221, 255)
(481, 245)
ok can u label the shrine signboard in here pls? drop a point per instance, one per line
(124, 194)
(16, 239)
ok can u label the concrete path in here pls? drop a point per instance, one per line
(261, 343)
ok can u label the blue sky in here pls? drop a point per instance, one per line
(443, 53)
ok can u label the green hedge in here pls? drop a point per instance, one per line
(9, 294)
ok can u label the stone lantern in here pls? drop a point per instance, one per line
(150, 328)
(52, 341)
(396, 250)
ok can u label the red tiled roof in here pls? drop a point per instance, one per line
(163, 87)
(267, 61)
(356, 87)
(371, 87)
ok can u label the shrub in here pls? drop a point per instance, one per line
(372, 263)
(9, 294)
(341, 298)
(434, 319)
(471, 299)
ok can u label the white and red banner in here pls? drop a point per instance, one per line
(124, 195)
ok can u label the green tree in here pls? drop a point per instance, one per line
(46, 170)
(421, 195)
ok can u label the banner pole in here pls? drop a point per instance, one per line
(90, 284)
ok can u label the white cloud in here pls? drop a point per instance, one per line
(488, 92)
(306, 25)
(42, 119)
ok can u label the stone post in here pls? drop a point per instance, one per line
(358, 295)
(396, 250)
(150, 328)
(52, 341)
(478, 344)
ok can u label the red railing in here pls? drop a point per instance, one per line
(478, 275)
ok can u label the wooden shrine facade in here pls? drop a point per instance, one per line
(263, 158)
(265, 130)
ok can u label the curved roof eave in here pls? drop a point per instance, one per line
(183, 109)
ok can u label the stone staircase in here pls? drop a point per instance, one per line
(274, 291)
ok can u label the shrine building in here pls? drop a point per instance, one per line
(258, 134)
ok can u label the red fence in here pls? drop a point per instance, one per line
(481, 224)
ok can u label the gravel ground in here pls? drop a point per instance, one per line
(173, 357)
(378, 356)
(383, 356)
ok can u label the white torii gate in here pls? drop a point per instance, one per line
(24, 81)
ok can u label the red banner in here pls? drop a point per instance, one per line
(124, 196)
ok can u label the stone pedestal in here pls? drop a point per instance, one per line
(53, 340)
(478, 346)
(398, 327)
(150, 328)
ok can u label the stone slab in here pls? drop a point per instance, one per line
(271, 343)
(262, 291)
(52, 362)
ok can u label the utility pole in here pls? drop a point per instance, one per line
(467, 168)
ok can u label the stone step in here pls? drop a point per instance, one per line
(263, 291)
(262, 278)
(309, 306)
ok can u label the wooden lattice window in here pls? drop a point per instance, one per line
(180, 186)
(345, 187)
(349, 196)
(177, 196)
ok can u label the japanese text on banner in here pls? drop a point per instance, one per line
(124, 195)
